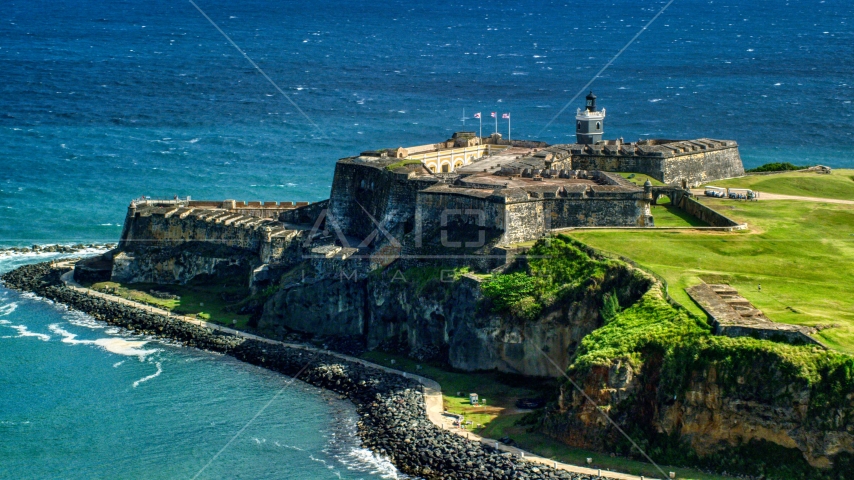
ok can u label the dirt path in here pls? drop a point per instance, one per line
(777, 196)
(432, 389)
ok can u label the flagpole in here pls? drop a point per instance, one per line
(496, 122)
(480, 120)
(508, 127)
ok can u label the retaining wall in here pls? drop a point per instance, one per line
(706, 214)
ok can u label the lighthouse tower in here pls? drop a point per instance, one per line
(589, 122)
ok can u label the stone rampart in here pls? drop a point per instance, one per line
(164, 227)
(365, 195)
(173, 244)
(521, 217)
(254, 208)
(701, 167)
(691, 161)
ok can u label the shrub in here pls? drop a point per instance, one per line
(506, 291)
(610, 306)
(777, 167)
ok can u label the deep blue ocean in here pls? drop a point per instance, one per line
(101, 102)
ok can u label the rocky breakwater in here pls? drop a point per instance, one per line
(78, 247)
(391, 407)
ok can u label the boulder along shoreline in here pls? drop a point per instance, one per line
(392, 415)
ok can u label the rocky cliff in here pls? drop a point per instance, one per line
(444, 314)
(687, 397)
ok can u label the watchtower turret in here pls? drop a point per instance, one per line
(589, 123)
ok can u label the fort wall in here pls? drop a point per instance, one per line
(701, 167)
(706, 214)
(528, 219)
(157, 228)
(366, 196)
(692, 161)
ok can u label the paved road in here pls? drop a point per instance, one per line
(432, 389)
(776, 196)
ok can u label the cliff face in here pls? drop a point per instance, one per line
(432, 319)
(705, 420)
(713, 401)
(180, 264)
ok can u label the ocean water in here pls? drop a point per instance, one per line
(80, 399)
(101, 102)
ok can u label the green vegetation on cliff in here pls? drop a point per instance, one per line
(675, 353)
(672, 357)
(686, 344)
(557, 270)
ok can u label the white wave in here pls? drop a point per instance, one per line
(5, 322)
(125, 347)
(118, 346)
(364, 459)
(289, 446)
(118, 364)
(153, 375)
(80, 319)
(24, 332)
(41, 254)
(8, 309)
(655, 100)
(194, 140)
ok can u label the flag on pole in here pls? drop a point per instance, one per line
(477, 115)
(492, 114)
(505, 115)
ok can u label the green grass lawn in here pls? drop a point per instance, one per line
(802, 253)
(206, 301)
(640, 179)
(666, 215)
(839, 184)
(500, 416)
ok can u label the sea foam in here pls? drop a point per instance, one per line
(153, 375)
(119, 346)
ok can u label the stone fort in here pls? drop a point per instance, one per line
(469, 193)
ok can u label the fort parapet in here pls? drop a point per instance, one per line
(669, 161)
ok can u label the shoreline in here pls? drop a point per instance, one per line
(400, 414)
(391, 408)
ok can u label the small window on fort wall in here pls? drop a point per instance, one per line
(445, 168)
(598, 125)
(578, 127)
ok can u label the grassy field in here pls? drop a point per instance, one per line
(839, 184)
(640, 178)
(666, 215)
(500, 417)
(205, 301)
(802, 253)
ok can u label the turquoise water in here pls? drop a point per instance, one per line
(80, 399)
(101, 102)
